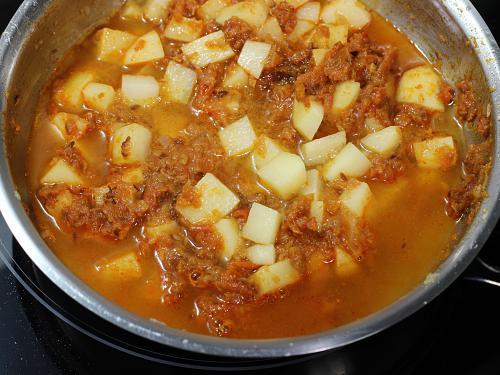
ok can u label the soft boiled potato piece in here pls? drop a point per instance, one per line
(421, 86)
(307, 118)
(133, 176)
(345, 264)
(285, 175)
(314, 184)
(210, 9)
(271, 29)
(69, 93)
(179, 83)
(145, 49)
(112, 44)
(351, 11)
(139, 90)
(318, 212)
(262, 255)
(123, 268)
(183, 29)
(269, 279)
(98, 96)
(235, 78)
(295, 3)
(356, 197)
(215, 202)
(265, 149)
(61, 172)
(350, 162)
(131, 11)
(323, 149)
(436, 153)
(253, 12)
(229, 231)
(346, 94)
(262, 225)
(69, 126)
(130, 144)
(156, 10)
(319, 55)
(309, 11)
(253, 57)
(154, 232)
(326, 36)
(208, 49)
(238, 138)
(301, 28)
(384, 142)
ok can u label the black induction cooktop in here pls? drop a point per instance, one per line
(47, 333)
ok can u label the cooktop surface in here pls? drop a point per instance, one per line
(44, 332)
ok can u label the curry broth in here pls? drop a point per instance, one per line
(412, 232)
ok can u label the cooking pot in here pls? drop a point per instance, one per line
(450, 33)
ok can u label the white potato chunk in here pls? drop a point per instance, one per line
(345, 264)
(318, 212)
(253, 12)
(61, 172)
(131, 11)
(323, 149)
(350, 162)
(179, 83)
(351, 11)
(156, 10)
(265, 149)
(271, 29)
(307, 118)
(326, 36)
(216, 201)
(301, 28)
(183, 29)
(262, 255)
(133, 176)
(208, 49)
(421, 86)
(296, 3)
(123, 268)
(319, 55)
(210, 9)
(140, 90)
(384, 142)
(112, 44)
(154, 232)
(269, 279)
(235, 78)
(436, 153)
(238, 138)
(145, 49)
(130, 144)
(69, 126)
(98, 96)
(355, 198)
(262, 225)
(69, 94)
(229, 231)
(373, 125)
(346, 94)
(285, 175)
(309, 12)
(314, 185)
(253, 57)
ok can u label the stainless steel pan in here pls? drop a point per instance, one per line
(449, 32)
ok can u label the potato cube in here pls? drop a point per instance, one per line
(384, 142)
(98, 96)
(346, 94)
(140, 90)
(179, 83)
(285, 175)
(271, 30)
(269, 279)
(262, 225)
(373, 125)
(253, 12)
(314, 185)
(68, 126)
(350, 162)
(208, 49)
(112, 44)
(184, 29)
(216, 201)
(323, 149)
(326, 36)
(319, 55)
(209, 10)
(355, 198)
(145, 49)
(69, 94)
(156, 10)
(309, 12)
(133, 176)
(307, 119)
(61, 172)
(123, 268)
(421, 86)
(301, 28)
(229, 231)
(436, 153)
(296, 3)
(238, 138)
(345, 264)
(351, 11)
(155, 232)
(318, 212)
(253, 57)
(236, 77)
(131, 11)
(262, 255)
(130, 144)
(265, 149)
